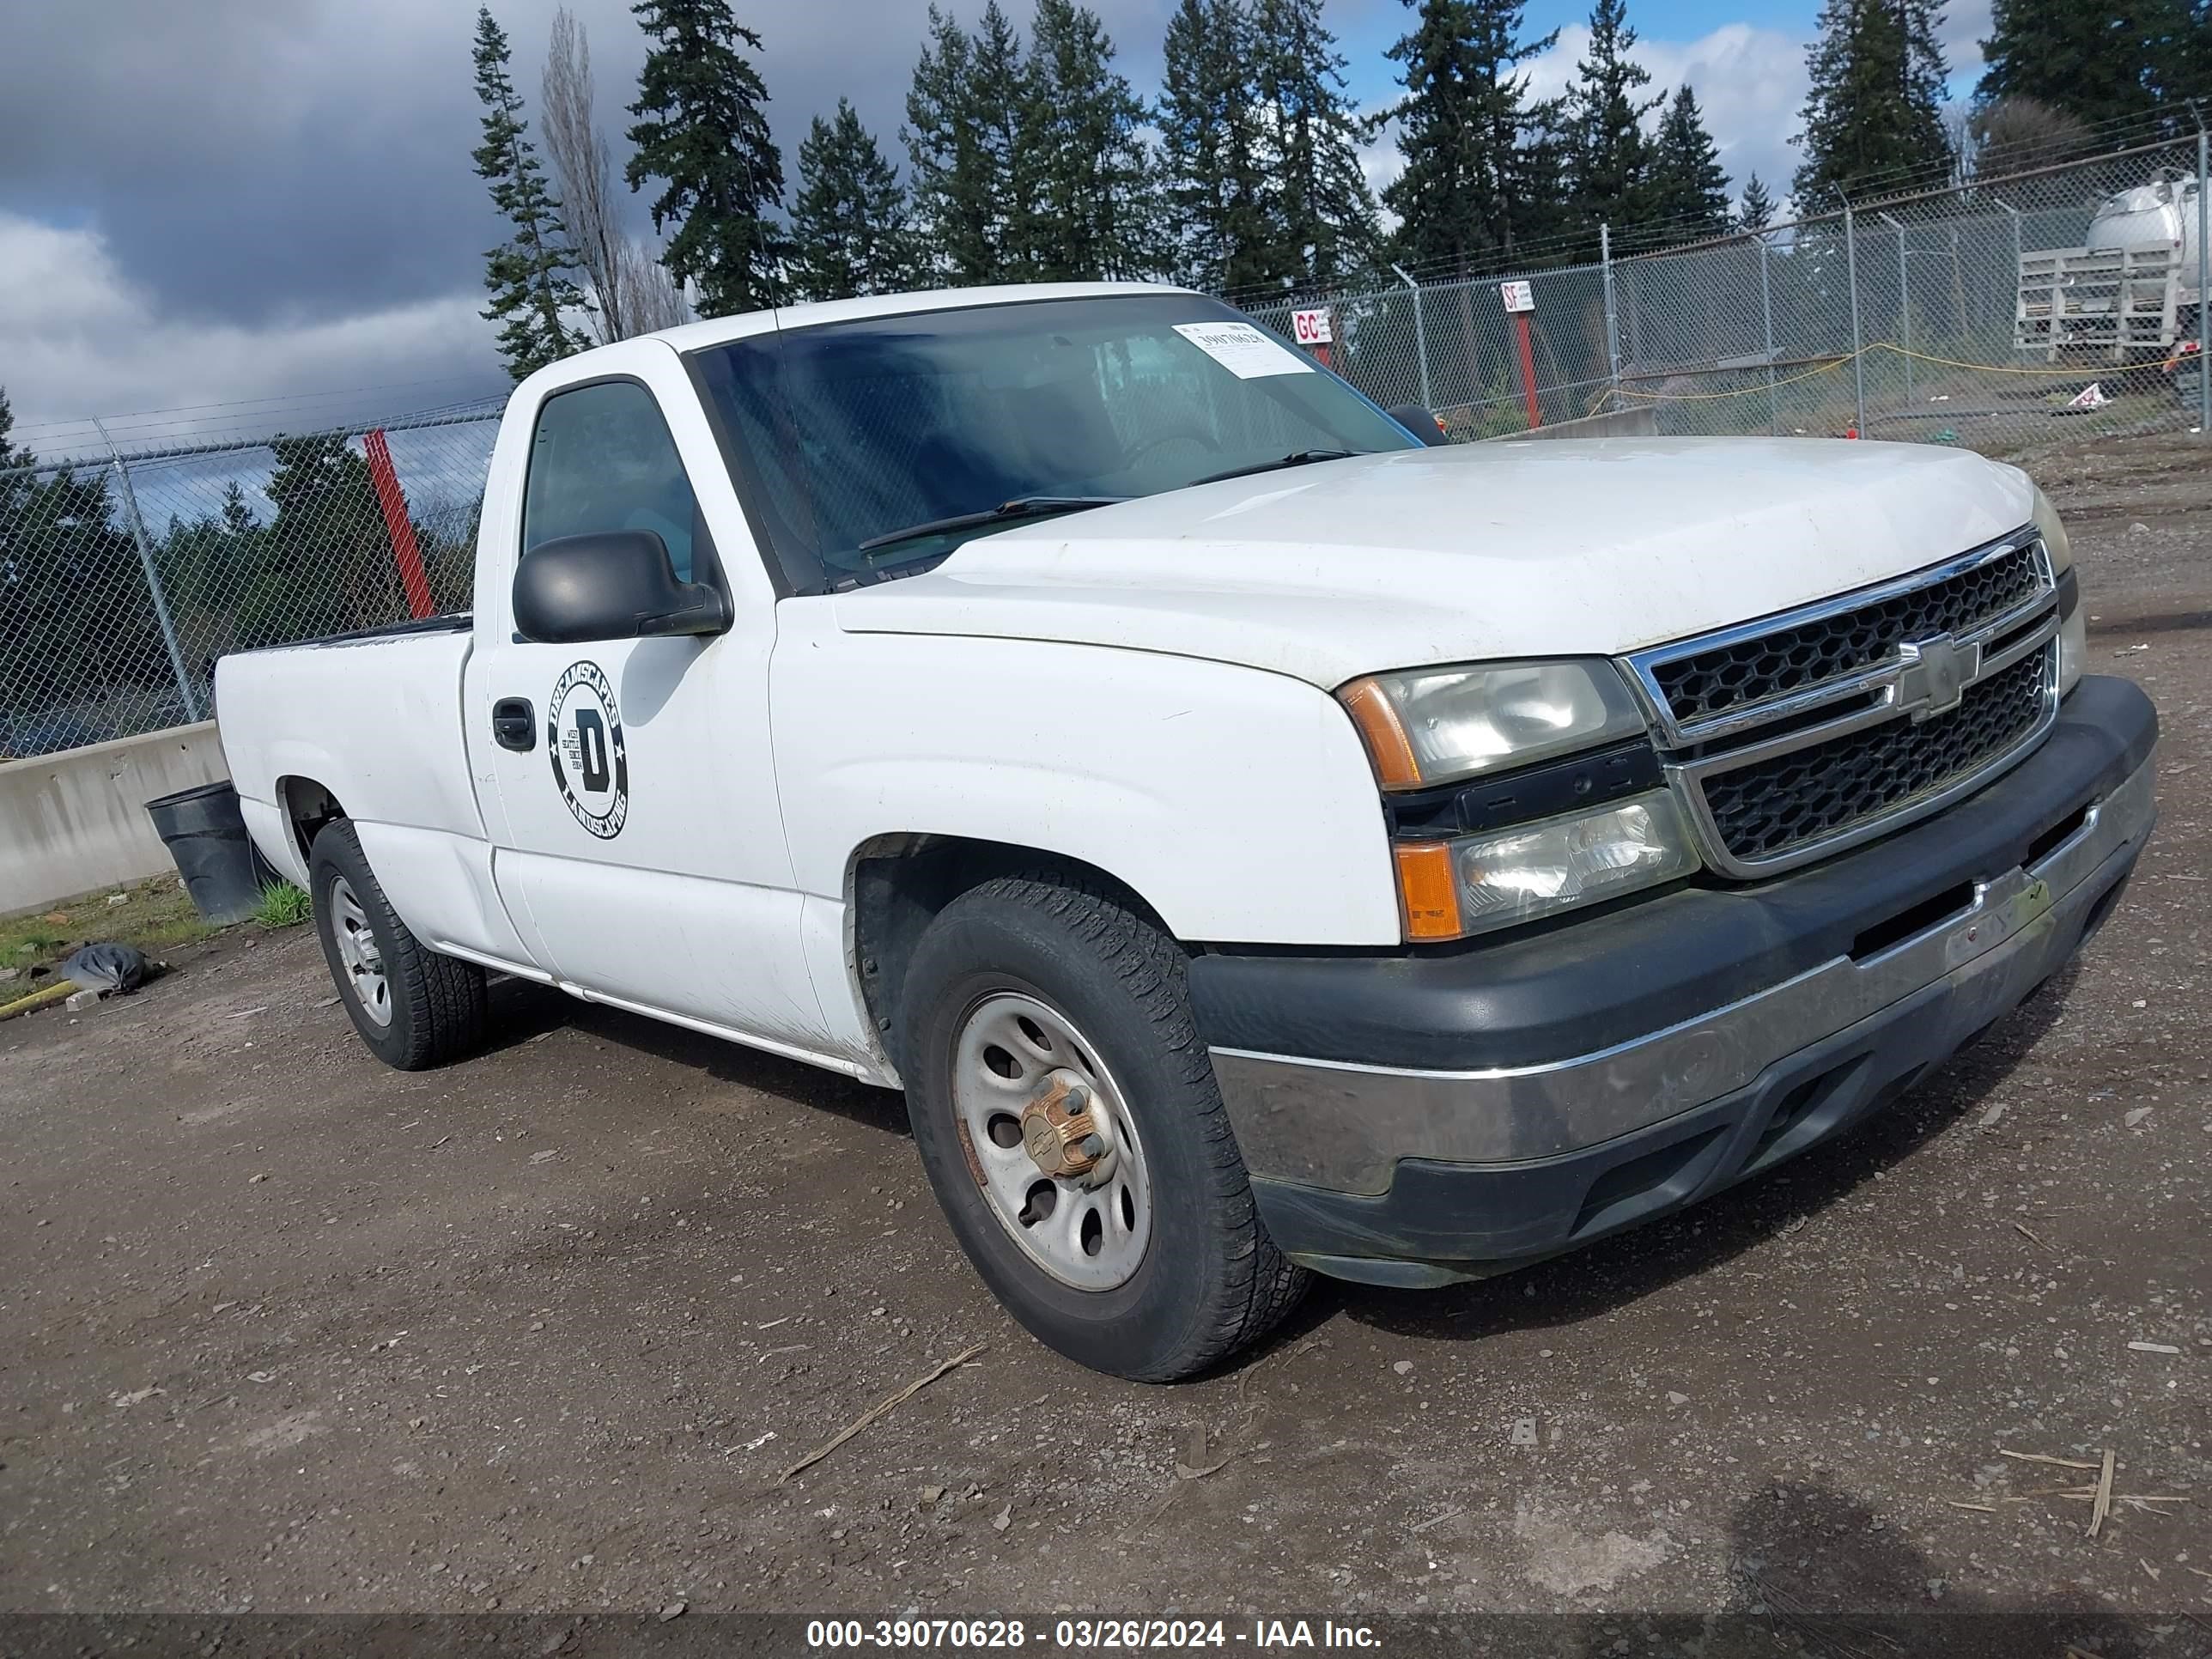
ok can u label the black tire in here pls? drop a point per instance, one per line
(1210, 1281)
(434, 1004)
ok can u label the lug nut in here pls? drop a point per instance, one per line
(1094, 1146)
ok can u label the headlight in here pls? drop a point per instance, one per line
(1450, 889)
(1432, 725)
(2073, 624)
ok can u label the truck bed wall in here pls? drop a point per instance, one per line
(385, 741)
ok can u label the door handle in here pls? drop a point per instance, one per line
(514, 723)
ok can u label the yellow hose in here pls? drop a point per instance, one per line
(52, 994)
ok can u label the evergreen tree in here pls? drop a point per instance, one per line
(1756, 211)
(1214, 190)
(1872, 117)
(2098, 63)
(65, 562)
(1482, 163)
(15, 486)
(238, 518)
(999, 100)
(528, 274)
(848, 226)
(11, 455)
(1326, 227)
(974, 182)
(701, 132)
(1098, 219)
(1689, 189)
(1609, 158)
(951, 173)
(327, 564)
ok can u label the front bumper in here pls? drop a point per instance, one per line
(1452, 1114)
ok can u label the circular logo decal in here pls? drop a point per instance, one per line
(590, 762)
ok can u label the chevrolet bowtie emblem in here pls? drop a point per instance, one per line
(1935, 675)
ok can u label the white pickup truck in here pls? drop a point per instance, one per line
(1258, 842)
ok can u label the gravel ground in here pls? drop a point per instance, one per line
(285, 1330)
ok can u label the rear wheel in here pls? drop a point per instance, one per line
(413, 1007)
(1067, 1114)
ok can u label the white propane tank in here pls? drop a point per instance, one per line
(2160, 215)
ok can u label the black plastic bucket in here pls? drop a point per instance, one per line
(207, 837)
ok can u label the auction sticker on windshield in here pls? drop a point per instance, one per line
(1247, 352)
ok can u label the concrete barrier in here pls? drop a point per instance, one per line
(74, 820)
(1621, 423)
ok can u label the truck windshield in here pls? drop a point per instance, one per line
(875, 447)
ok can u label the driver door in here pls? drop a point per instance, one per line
(641, 853)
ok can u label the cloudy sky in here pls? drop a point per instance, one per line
(235, 214)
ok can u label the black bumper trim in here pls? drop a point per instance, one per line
(1440, 1221)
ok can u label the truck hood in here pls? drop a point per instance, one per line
(1466, 553)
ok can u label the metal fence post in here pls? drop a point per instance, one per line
(1767, 335)
(1903, 304)
(1612, 321)
(153, 576)
(2203, 299)
(1858, 353)
(1421, 332)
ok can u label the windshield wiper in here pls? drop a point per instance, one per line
(1022, 506)
(1296, 458)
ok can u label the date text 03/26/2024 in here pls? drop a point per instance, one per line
(1260, 1635)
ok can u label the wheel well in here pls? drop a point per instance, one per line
(900, 882)
(308, 808)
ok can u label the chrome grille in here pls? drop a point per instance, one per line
(1772, 664)
(1801, 734)
(1810, 795)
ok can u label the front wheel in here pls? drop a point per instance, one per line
(1067, 1116)
(413, 1007)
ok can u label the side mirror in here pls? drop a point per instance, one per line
(610, 585)
(1424, 424)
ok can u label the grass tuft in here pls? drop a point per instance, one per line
(283, 905)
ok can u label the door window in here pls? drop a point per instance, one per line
(602, 459)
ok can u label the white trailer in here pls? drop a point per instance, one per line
(2129, 293)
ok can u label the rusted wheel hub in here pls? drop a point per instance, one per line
(1058, 1130)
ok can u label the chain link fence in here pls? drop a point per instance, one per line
(2007, 317)
(124, 577)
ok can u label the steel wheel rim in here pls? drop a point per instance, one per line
(358, 953)
(1092, 1233)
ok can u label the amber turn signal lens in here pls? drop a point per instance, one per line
(1381, 730)
(1426, 890)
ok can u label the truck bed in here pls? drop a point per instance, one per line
(375, 718)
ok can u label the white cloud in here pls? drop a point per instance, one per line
(1964, 22)
(1750, 84)
(78, 338)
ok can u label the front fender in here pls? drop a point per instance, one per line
(1238, 803)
